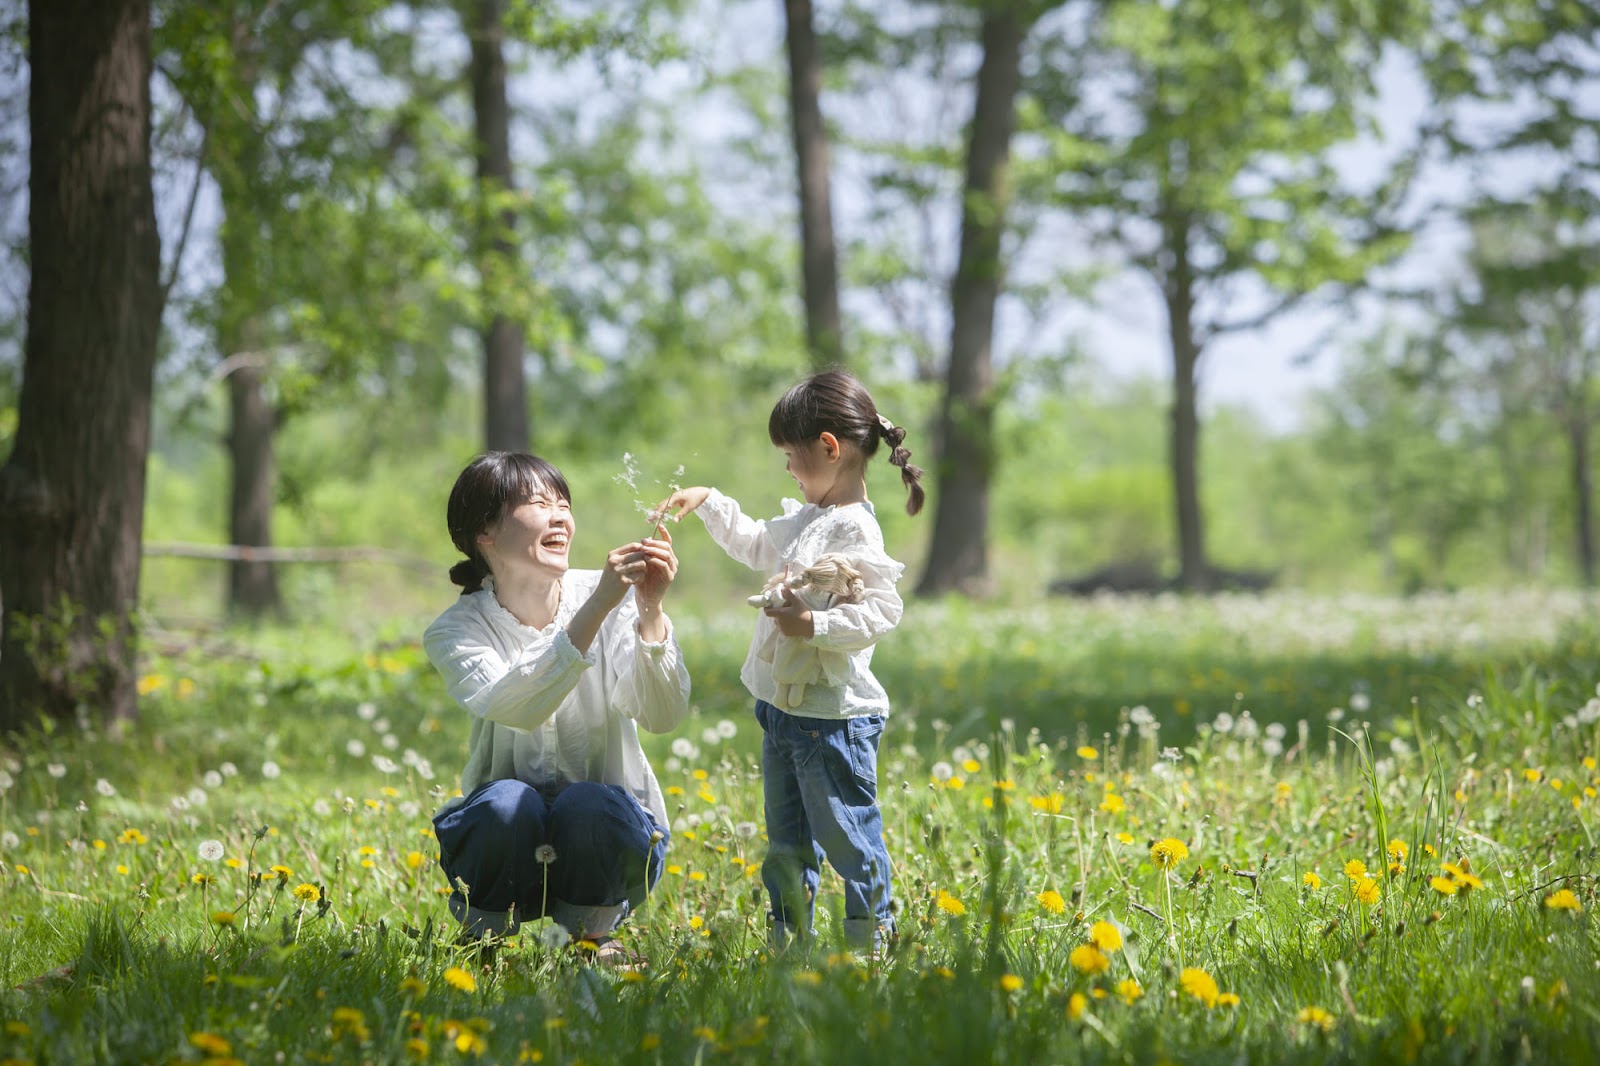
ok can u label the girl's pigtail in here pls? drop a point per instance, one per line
(469, 574)
(900, 456)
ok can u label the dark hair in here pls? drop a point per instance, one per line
(493, 484)
(833, 401)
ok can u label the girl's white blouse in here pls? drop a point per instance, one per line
(797, 538)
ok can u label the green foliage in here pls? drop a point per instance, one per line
(248, 871)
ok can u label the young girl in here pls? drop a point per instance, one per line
(820, 757)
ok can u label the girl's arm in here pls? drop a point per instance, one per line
(745, 539)
(846, 627)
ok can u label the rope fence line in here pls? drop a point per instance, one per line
(253, 554)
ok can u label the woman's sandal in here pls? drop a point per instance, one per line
(607, 950)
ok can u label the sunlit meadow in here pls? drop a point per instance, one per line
(1241, 828)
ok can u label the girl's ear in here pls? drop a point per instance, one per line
(830, 445)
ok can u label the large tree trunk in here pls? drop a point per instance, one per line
(1194, 573)
(1582, 496)
(72, 493)
(818, 257)
(958, 556)
(505, 388)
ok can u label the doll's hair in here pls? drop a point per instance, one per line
(491, 486)
(833, 401)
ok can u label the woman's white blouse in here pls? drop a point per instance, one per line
(797, 538)
(546, 714)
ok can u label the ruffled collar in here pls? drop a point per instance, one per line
(501, 614)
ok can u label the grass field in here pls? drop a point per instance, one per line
(1239, 829)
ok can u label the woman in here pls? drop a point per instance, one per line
(561, 815)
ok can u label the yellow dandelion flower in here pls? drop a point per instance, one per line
(1077, 1003)
(150, 683)
(1355, 869)
(203, 879)
(1532, 775)
(696, 922)
(706, 1033)
(460, 979)
(674, 790)
(1010, 982)
(470, 1043)
(413, 987)
(1113, 804)
(1366, 891)
(1398, 849)
(283, 873)
(808, 977)
(1427, 849)
(674, 868)
(1588, 762)
(414, 859)
(697, 875)
(1086, 958)
(1169, 852)
(1129, 989)
(1311, 880)
(956, 783)
(1105, 936)
(649, 1042)
(1444, 886)
(223, 918)
(1200, 985)
(1051, 901)
(1125, 838)
(1228, 999)
(210, 1045)
(307, 893)
(1564, 899)
(417, 1048)
(1315, 1016)
(971, 766)
(949, 904)
(1051, 804)
(1086, 752)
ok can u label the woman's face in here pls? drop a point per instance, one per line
(535, 535)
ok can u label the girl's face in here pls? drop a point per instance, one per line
(814, 466)
(533, 536)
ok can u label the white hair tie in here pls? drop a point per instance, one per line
(888, 426)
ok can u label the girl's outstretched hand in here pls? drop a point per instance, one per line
(681, 503)
(659, 570)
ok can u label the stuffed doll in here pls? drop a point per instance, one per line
(828, 582)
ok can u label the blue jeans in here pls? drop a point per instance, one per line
(608, 855)
(820, 782)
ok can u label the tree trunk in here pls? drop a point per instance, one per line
(1582, 496)
(252, 583)
(72, 493)
(505, 388)
(958, 555)
(818, 256)
(1194, 574)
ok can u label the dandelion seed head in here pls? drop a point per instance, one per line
(211, 850)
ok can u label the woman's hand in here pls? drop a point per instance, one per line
(681, 503)
(655, 571)
(793, 619)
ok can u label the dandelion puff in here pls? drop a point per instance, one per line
(746, 830)
(385, 765)
(180, 803)
(105, 788)
(56, 770)
(211, 850)
(229, 770)
(197, 796)
(943, 771)
(211, 779)
(355, 749)
(6, 781)
(271, 770)
(727, 729)
(390, 742)
(10, 840)
(366, 711)
(683, 748)
(544, 854)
